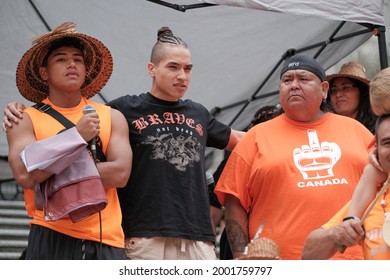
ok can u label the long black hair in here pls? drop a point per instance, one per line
(365, 115)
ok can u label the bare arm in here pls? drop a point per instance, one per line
(322, 244)
(115, 172)
(18, 137)
(216, 215)
(365, 190)
(235, 137)
(236, 224)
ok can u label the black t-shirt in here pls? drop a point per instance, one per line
(217, 173)
(167, 192)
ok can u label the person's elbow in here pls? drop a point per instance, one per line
(26, 181)
(318, 245)
(307, 250)
(123, 173)
(120, 176)
(123, 178)
(306, 255)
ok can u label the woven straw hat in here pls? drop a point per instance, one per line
(97, 58)
(352, 70)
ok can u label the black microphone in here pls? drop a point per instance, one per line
(88, 109)
(211, 186)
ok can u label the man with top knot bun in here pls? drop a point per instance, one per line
(165, 205)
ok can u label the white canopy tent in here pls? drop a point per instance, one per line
(237, 46)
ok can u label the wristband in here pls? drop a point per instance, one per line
(349, 218)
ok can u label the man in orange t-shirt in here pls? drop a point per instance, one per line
(294, 172)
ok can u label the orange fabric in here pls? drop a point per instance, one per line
(294, 176)
(374, 248)
(373, 143)
(89, 228)
(28, 195)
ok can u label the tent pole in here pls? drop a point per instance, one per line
(380, 32)
(40, 15)
(287, 54)
(181, 8)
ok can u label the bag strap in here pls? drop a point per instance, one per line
(46, 108)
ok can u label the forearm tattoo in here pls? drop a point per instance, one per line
(237, 237)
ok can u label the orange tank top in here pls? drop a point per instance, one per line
(46, 126)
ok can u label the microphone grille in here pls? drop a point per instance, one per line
(88, 109)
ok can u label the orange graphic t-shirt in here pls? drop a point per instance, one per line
(294, 176)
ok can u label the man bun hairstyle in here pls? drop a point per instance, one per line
(164, 36)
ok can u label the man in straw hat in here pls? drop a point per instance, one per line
(63, 69)
(348, 94)
(293, 172)
(372, 231)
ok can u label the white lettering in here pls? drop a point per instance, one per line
(323, 183)
(292, 64)
(374, 234)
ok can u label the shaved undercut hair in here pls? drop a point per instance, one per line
(164, 37)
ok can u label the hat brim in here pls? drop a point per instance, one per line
(97, 58)
(329, 78)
